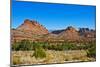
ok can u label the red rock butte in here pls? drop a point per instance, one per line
(32, 26)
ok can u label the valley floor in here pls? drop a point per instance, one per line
(52, 56)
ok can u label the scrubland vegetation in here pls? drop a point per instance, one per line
(27, 52)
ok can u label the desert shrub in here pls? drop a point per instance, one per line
(39, 53)
(16, 60)
(15, 46)
(45, 46)
(22, 45)
(34, 45)
(91, 52)
(25, 45)
(28, 45)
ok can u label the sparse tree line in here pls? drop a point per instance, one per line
(40, 47)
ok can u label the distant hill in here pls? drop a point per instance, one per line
(34, 31)
(69, 33)
(57, 31)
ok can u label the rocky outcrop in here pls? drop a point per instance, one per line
(32, 27)
(28, 30)
(33, 31)
(69, 34)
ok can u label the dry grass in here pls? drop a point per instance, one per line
(52, 56)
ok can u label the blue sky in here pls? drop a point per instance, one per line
(53, 16)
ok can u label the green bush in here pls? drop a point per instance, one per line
(39, 53)
(15, 46)
(29, 45)
(91, 52)
(22, 45)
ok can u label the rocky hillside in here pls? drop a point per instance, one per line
(32, 30)
(28, 30)
(70, 33)
(32, 27)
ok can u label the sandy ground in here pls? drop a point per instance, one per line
(52, 56)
